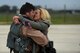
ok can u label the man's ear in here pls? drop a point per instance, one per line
(27, 14)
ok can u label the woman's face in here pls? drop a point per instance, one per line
(37, 14)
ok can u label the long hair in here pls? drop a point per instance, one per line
(45, 15)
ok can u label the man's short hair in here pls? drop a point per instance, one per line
(27, 7)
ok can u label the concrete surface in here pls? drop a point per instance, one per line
(66, 38)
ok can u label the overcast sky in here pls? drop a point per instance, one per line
(55, 4)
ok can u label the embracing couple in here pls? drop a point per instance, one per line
(28, 32)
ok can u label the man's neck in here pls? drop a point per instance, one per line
(25, 15)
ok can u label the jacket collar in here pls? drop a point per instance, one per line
(27, 17)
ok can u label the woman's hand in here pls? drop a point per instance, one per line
(16, 19)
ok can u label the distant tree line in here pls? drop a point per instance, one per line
(8, 9)
(14, 9)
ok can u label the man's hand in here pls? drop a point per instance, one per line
(16, 19)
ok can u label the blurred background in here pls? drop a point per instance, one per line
(65, 18)
(61, 11)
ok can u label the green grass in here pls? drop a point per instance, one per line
(6, 18)
(65, 18)
(55, 18)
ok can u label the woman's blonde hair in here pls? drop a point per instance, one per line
(45, 15)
